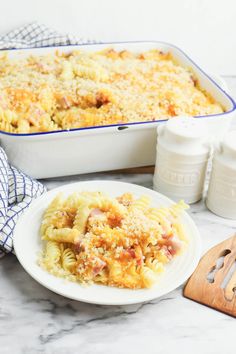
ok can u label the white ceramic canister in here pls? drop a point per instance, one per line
(181, 160)
(221, 196)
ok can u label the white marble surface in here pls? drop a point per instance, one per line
(35, 320)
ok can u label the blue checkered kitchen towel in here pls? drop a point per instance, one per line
(16, 193)
(16, 189)
(36, 35)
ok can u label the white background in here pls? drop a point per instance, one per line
(205, 29)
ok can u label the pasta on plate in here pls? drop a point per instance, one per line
(62, 91)
(123, 242)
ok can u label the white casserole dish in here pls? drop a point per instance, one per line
(93, 149)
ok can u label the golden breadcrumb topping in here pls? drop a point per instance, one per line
(81, 89)
(123, 242)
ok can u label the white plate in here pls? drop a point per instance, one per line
(27, 246)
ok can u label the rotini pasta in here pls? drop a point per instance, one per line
(148, 277)
(161, 217)
(123, 242)
(178, 207)
(52, 254)
(67, 71)
(141, 204)
(55, 205)
(154, 264)
(61, 235)
(79, 89)
(81, 218)
(68, 259)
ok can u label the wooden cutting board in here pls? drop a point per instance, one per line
(214, 281)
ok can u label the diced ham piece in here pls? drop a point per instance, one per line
(35, 114)
(175, 245)
(65, 102)
(128, 253)
(131, 252)
(43, 68)
(171, 250)
(140, 261)
(100, 264)
(167, 251)
(166, 236)
(79, 247)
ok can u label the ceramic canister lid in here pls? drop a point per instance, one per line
(184, 135)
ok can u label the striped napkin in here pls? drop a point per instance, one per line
(17, 190)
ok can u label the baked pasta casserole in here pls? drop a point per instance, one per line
(122, 242)
(80, 89)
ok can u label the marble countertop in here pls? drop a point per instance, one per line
(35, 320)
